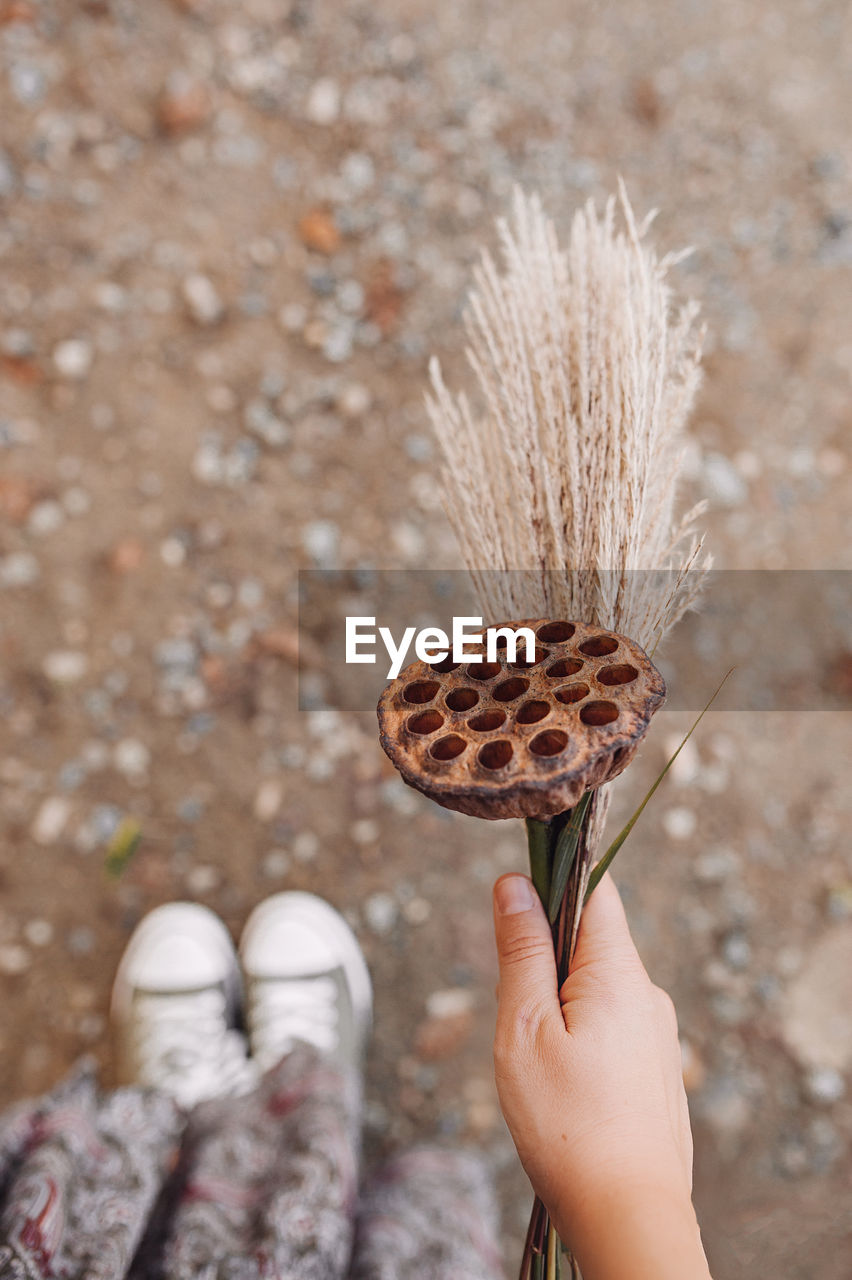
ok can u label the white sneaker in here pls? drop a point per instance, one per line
(305, 980)
(175, 1001)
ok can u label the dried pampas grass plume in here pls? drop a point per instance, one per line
(587, 374)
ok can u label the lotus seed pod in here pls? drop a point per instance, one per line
(522, 739)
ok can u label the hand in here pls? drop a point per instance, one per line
(590, 1084)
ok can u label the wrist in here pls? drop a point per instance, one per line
(645, 1228)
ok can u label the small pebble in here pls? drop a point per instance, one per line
(723, 483)
(19, 569)
(365, 831)
(268, 799)
(190, 809)
(95, 755)
(131, 757)
(416, 911)
(715, 865)
(292, 317)
(262, 422)
(724, 1106)
(418, 447)
(323, 104)
(825, 1085)
(17, 344)
(354, 400)
(173, 552)
(176, 653)
(110, 297)
(38, 933)
(736, 951)
(358, 170)
(679, 823)
(73, 358)
(250, 593)
(318, 231)
(65, 666)
(351, 297)
(81, 941)
(76, 501)
(203, 879)
(319, 768)
(50, 820)
(202, 300)
(380, 912)
(306, 846)
(275, 864)
(184, 104)
(450, 1003)
(14, 960)
(399, 797)
(321, 541)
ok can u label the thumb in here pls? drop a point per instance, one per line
(528, 985)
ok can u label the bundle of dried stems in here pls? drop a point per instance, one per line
(587, 372)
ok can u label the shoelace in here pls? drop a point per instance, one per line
(284, 1010)
(185, 1047)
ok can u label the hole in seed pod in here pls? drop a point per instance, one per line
(599, 646)
(523, 665)
(572, 693)
(556, 632)
(487, 720)
(495, 755)
(549, 743)
(484, 670)
(446, 664)
(508, 690)
(425, 722)
(420, 691)
(621, 673)
(599, 713)
(533, 711)
(564, 667)
(461, 699)
(447, 748)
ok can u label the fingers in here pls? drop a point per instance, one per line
(604, 935)
(528, 988)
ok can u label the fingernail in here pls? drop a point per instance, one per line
(514, 894)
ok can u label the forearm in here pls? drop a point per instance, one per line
(649, 1233)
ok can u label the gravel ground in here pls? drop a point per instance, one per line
(230, 237)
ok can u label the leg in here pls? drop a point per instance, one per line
(83, 1180)
(428, 1215)
(267, 1182)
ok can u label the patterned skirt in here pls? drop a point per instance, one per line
(264, 1187)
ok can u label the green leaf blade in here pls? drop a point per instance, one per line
(564, 855)
(538, 841)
